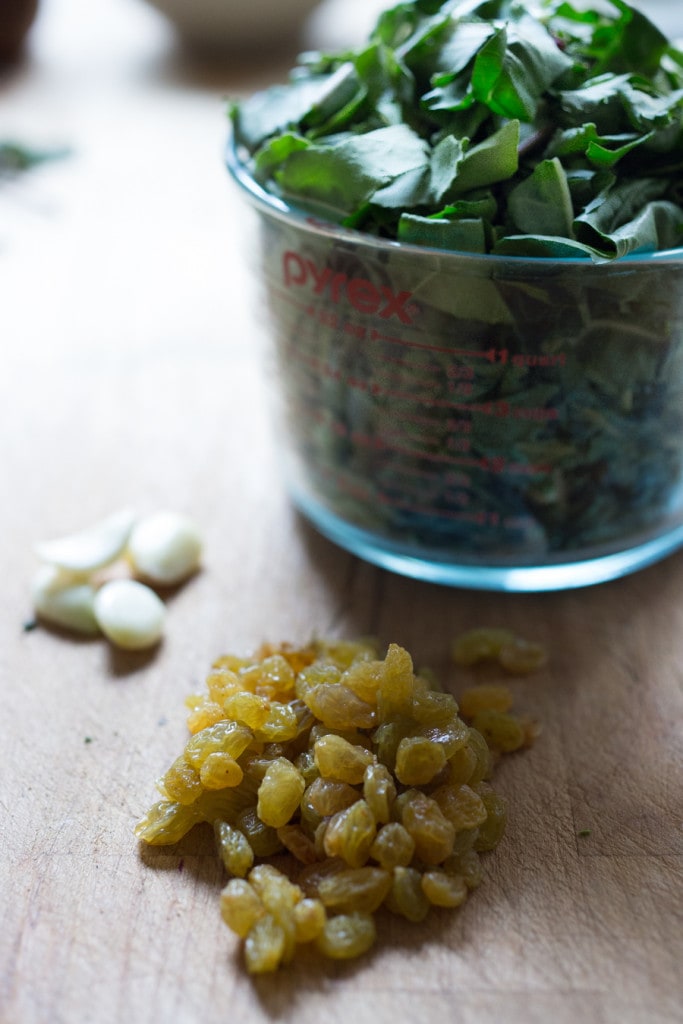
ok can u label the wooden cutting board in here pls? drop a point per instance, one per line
(579, 911)
(130, 373)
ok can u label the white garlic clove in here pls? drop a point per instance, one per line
(92, 548)
(64, 601)
(130, 614)
(165, 548)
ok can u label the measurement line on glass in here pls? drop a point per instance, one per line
(496, 464)
(475, 517)
(498, 409)
(323, 368)
(491, 355)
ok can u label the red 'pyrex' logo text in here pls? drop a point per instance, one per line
(359, 292)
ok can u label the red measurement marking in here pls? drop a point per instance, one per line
(503, 410)
(409, 365)
(381, 444)
(357, 490)
(460, 373)
(479, 518)
(519, 360)
(491, 355)
(495, 464)
(371, 387)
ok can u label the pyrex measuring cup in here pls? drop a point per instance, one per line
(479, 421)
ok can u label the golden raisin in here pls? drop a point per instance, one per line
(309, 919)
(432, 833)
(300, 845)
(361, 771)
(347, 936)
(443, 890)
(327, 797)
(356, 889)
(338, 707)
(221, 684)
(418, 760)
(463, 763)
(219, 770)
(406, 896)
(502, 731)
(263, 838)
(395, 695)
(461, 806)
(491, 831)
(364, 677)
(265, 945)
(203, 715)
(350, 834)
(379, 791)
(241, 906)
(273, 677)
(467, 866)
(275, 890)
(387, 738)
(281, 725)
(248, 708)
(485, 698)
(393, 846)
(234, 849)
(480, 749)
(166, 822)
(480, 644)
(521, 657)
(310, 877)
(222, 737)
(280, 793)
(320, 673)
(181, 782)
(340, 760)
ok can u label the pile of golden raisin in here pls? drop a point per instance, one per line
(359, 769)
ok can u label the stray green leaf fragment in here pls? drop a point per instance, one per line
(557, 108)
(16, 158)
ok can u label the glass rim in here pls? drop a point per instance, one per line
(305, 220)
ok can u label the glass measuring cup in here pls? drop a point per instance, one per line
(479, 421)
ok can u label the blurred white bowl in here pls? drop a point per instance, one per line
(232, 24)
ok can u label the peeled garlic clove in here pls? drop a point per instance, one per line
(165, 548)
(91, 548)
(130, 614)
(60, 599)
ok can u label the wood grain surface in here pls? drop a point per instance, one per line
(130, 373)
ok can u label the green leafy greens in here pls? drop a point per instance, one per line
(472, 410)
(491, 126)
